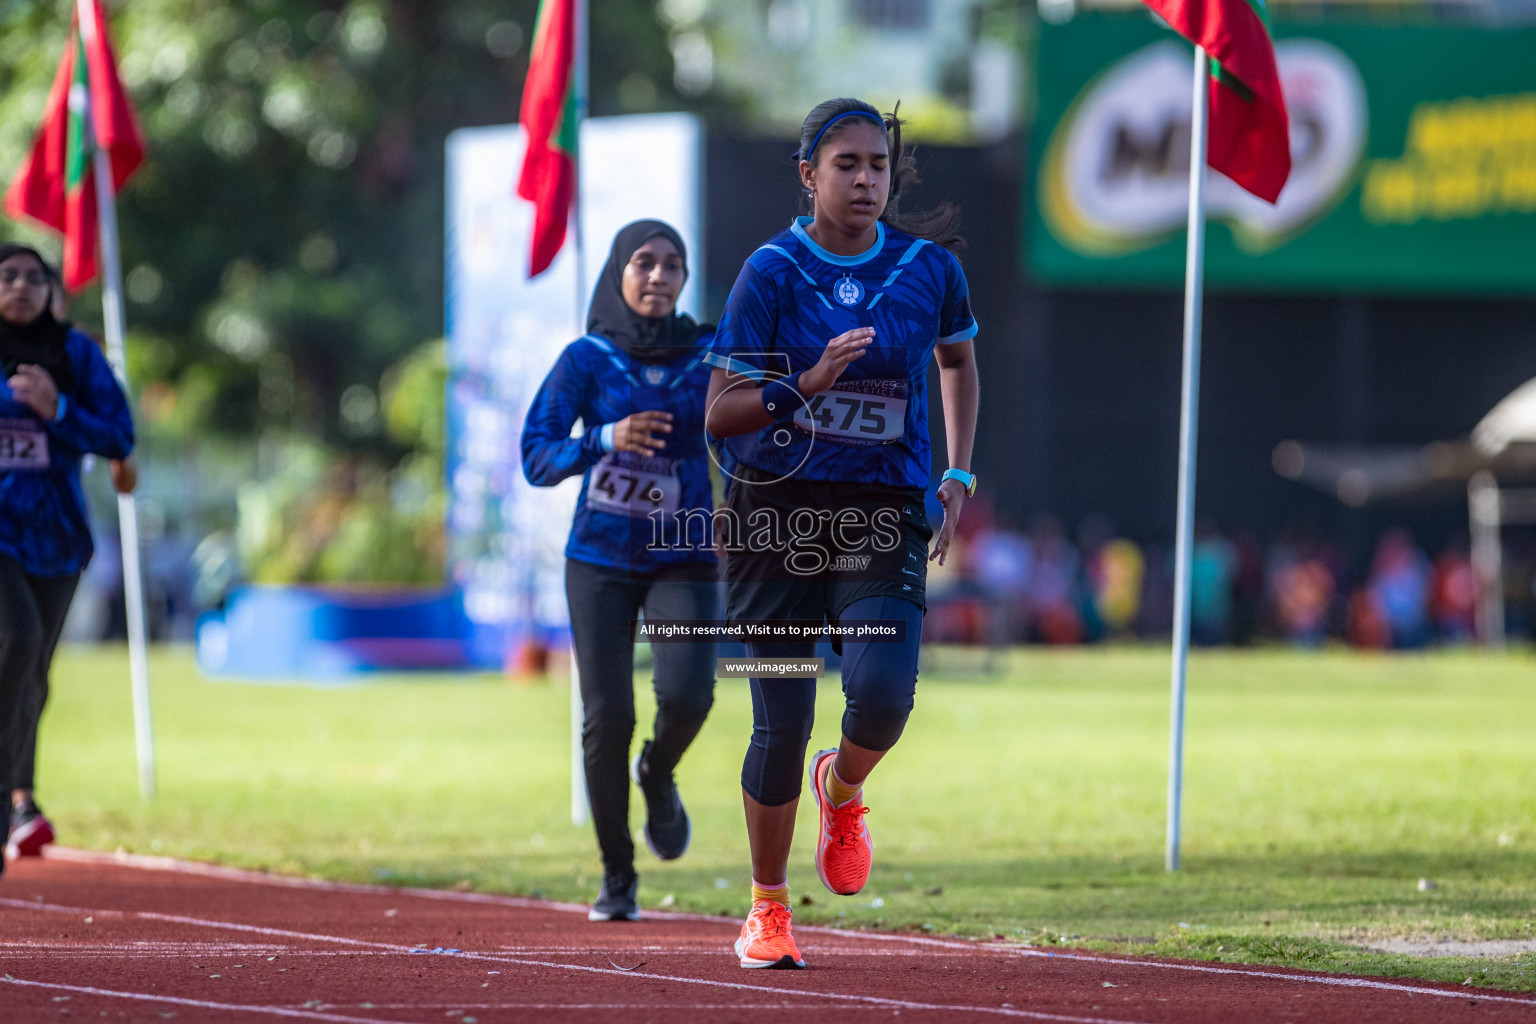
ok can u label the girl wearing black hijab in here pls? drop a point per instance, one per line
(640, 540)
(59, 401)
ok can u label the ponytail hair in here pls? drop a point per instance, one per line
(939, 225)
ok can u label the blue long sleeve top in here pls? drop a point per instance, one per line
(635, 512)
(43, 522)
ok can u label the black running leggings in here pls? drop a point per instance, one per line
(32, 611)
(879, 690)
(604, 605)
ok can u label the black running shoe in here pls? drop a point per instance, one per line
(616, 900)
(667, 828)
(30, 831)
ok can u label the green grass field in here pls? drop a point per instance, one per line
(1029, 805)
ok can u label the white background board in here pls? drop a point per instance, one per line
(506, 538)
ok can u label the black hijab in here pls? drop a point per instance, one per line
(41, 342)
(659, 339)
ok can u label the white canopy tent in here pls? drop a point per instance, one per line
(1510, 425)
(1503, 444)
(1511, 422)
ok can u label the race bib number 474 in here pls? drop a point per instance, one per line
(23, 446)
(628, 484)
(857, 412)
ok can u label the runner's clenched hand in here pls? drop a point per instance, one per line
(840, 351)
(125, 475)
(32, 386)
(637, 432)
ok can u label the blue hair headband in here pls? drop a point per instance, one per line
(847, 113)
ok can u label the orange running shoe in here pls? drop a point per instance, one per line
(765, 938)
(844, 850)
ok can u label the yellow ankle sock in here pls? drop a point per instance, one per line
(838, 791)
(778, 893)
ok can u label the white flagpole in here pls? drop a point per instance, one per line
(578, 766)
(1189, 422)
(579, 808)
(127, 507)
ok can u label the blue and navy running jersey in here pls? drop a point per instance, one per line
(792, 298)
(625, 498)
(43, 523)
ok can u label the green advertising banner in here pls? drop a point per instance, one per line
(1413, 147)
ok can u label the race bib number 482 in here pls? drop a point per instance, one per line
(857, 412)
(23, 446)
(628, 484)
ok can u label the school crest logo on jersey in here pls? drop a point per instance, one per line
(654, 375)
(848, 291)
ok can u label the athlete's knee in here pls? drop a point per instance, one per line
(771, 773)
(880, 674)
(688, 688)
(686, 709)
(877, 724)
(773, 779)
(613, 725)
(775, 795)
(880, 690)
(783, 714)
(21, 643)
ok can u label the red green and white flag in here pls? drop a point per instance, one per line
(550, 120)
(1250, 137)
(88, 107)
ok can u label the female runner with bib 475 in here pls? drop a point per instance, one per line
(820, 392)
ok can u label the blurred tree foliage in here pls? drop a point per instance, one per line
(284, 243)
(283, 246)
(320, 516)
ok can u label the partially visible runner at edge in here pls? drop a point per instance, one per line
(636, 381)
(124, 472)
(59, 401)
(820, 390)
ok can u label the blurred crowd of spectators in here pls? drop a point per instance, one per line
(1004, 586)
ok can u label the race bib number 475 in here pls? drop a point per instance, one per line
(628, 484)
(857, 412)
(23, 446)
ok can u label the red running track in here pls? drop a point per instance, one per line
(91, 937)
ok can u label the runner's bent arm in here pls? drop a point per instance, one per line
(550, 453)
(735, 406)
(96, 417)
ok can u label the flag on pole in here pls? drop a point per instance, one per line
(550, 123)
(1250, 136)
(87, 107)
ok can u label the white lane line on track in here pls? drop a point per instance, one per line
(1345, 982)
(172, 864)
(162, 954)
(629, 1007)
(386, 947)
(202, 1004)
(714, 950)
(29, 951)
(147, 862)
